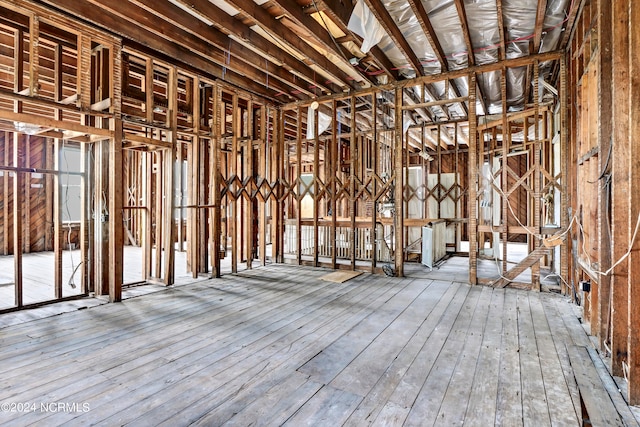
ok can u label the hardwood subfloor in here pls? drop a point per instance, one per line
(277, 345)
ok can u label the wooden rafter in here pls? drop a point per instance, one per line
(231, 26)
(263, 18)
(164, 44)
(385, 19)
(537, 35)
(220, 39)
(429, 32)
(503, 39)
(462, 14)
(318, 32)
(340, 12)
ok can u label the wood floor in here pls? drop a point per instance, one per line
(277, 345)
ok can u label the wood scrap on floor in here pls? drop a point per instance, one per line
(340, 276)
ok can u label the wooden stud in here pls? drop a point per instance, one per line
(216, 231)
(353, 151)
(316, 182)
(621, 184)
(233, 163)
(504, 181)
(334, 167)
(535, 269)
(262, 177)
(169, 178)
(398, 222)
(17, 219)
(249, 174)
(473, 184)
(297, 182)
(116, 232)
(634, 207)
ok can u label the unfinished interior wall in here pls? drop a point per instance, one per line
(603, 130)
(56, 106)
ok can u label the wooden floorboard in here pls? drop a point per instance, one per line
(277, 345)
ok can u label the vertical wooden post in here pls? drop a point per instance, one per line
(335, 150)
(456, 183)
(5, 193)
(634, 206)
(316, 181)
(504, 179)
(249, 178)
(17, 219)
(621, 184)
(169, 179)
(398, 221)
(353, 152)
(233, 165)
(374, 182)
(605, 131)
(147, 219)
(298, 186)
(277, 166)
(215, 184)
(34, 55)
(535, 268)
(26, 226)
(116, 231)
(263, 178)
(158, 218)
(193, 184)
(473, 184)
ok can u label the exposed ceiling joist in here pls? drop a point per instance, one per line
(285, 36)
(383, 17)
(188, 52)
(462, 14)
(220, 40)
(340, 13)
(320, 34)
(503, 39)
(540, 14)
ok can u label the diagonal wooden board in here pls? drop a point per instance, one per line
(340, 276)
(527, 262)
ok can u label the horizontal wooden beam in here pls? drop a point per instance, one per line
(52, 123)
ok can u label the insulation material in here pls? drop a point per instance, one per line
(553, 24)
(519, 19)
(364, 23)
(483, 30)
(324, 121)
(490, 84)
(516, 88)
(445, 20)
(410, 28)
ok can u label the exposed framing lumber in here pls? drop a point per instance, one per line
(262, 18)
(605, 136)
(634, 206)
(171, 48)
(319, 33)
(540, 14)
(621, 185)
(340, 13)
(462, 14)
(473, 184)
(477, 69)
(217, 203)
(116, 232)
(503, 38)
(398, 222)
(385, 19)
